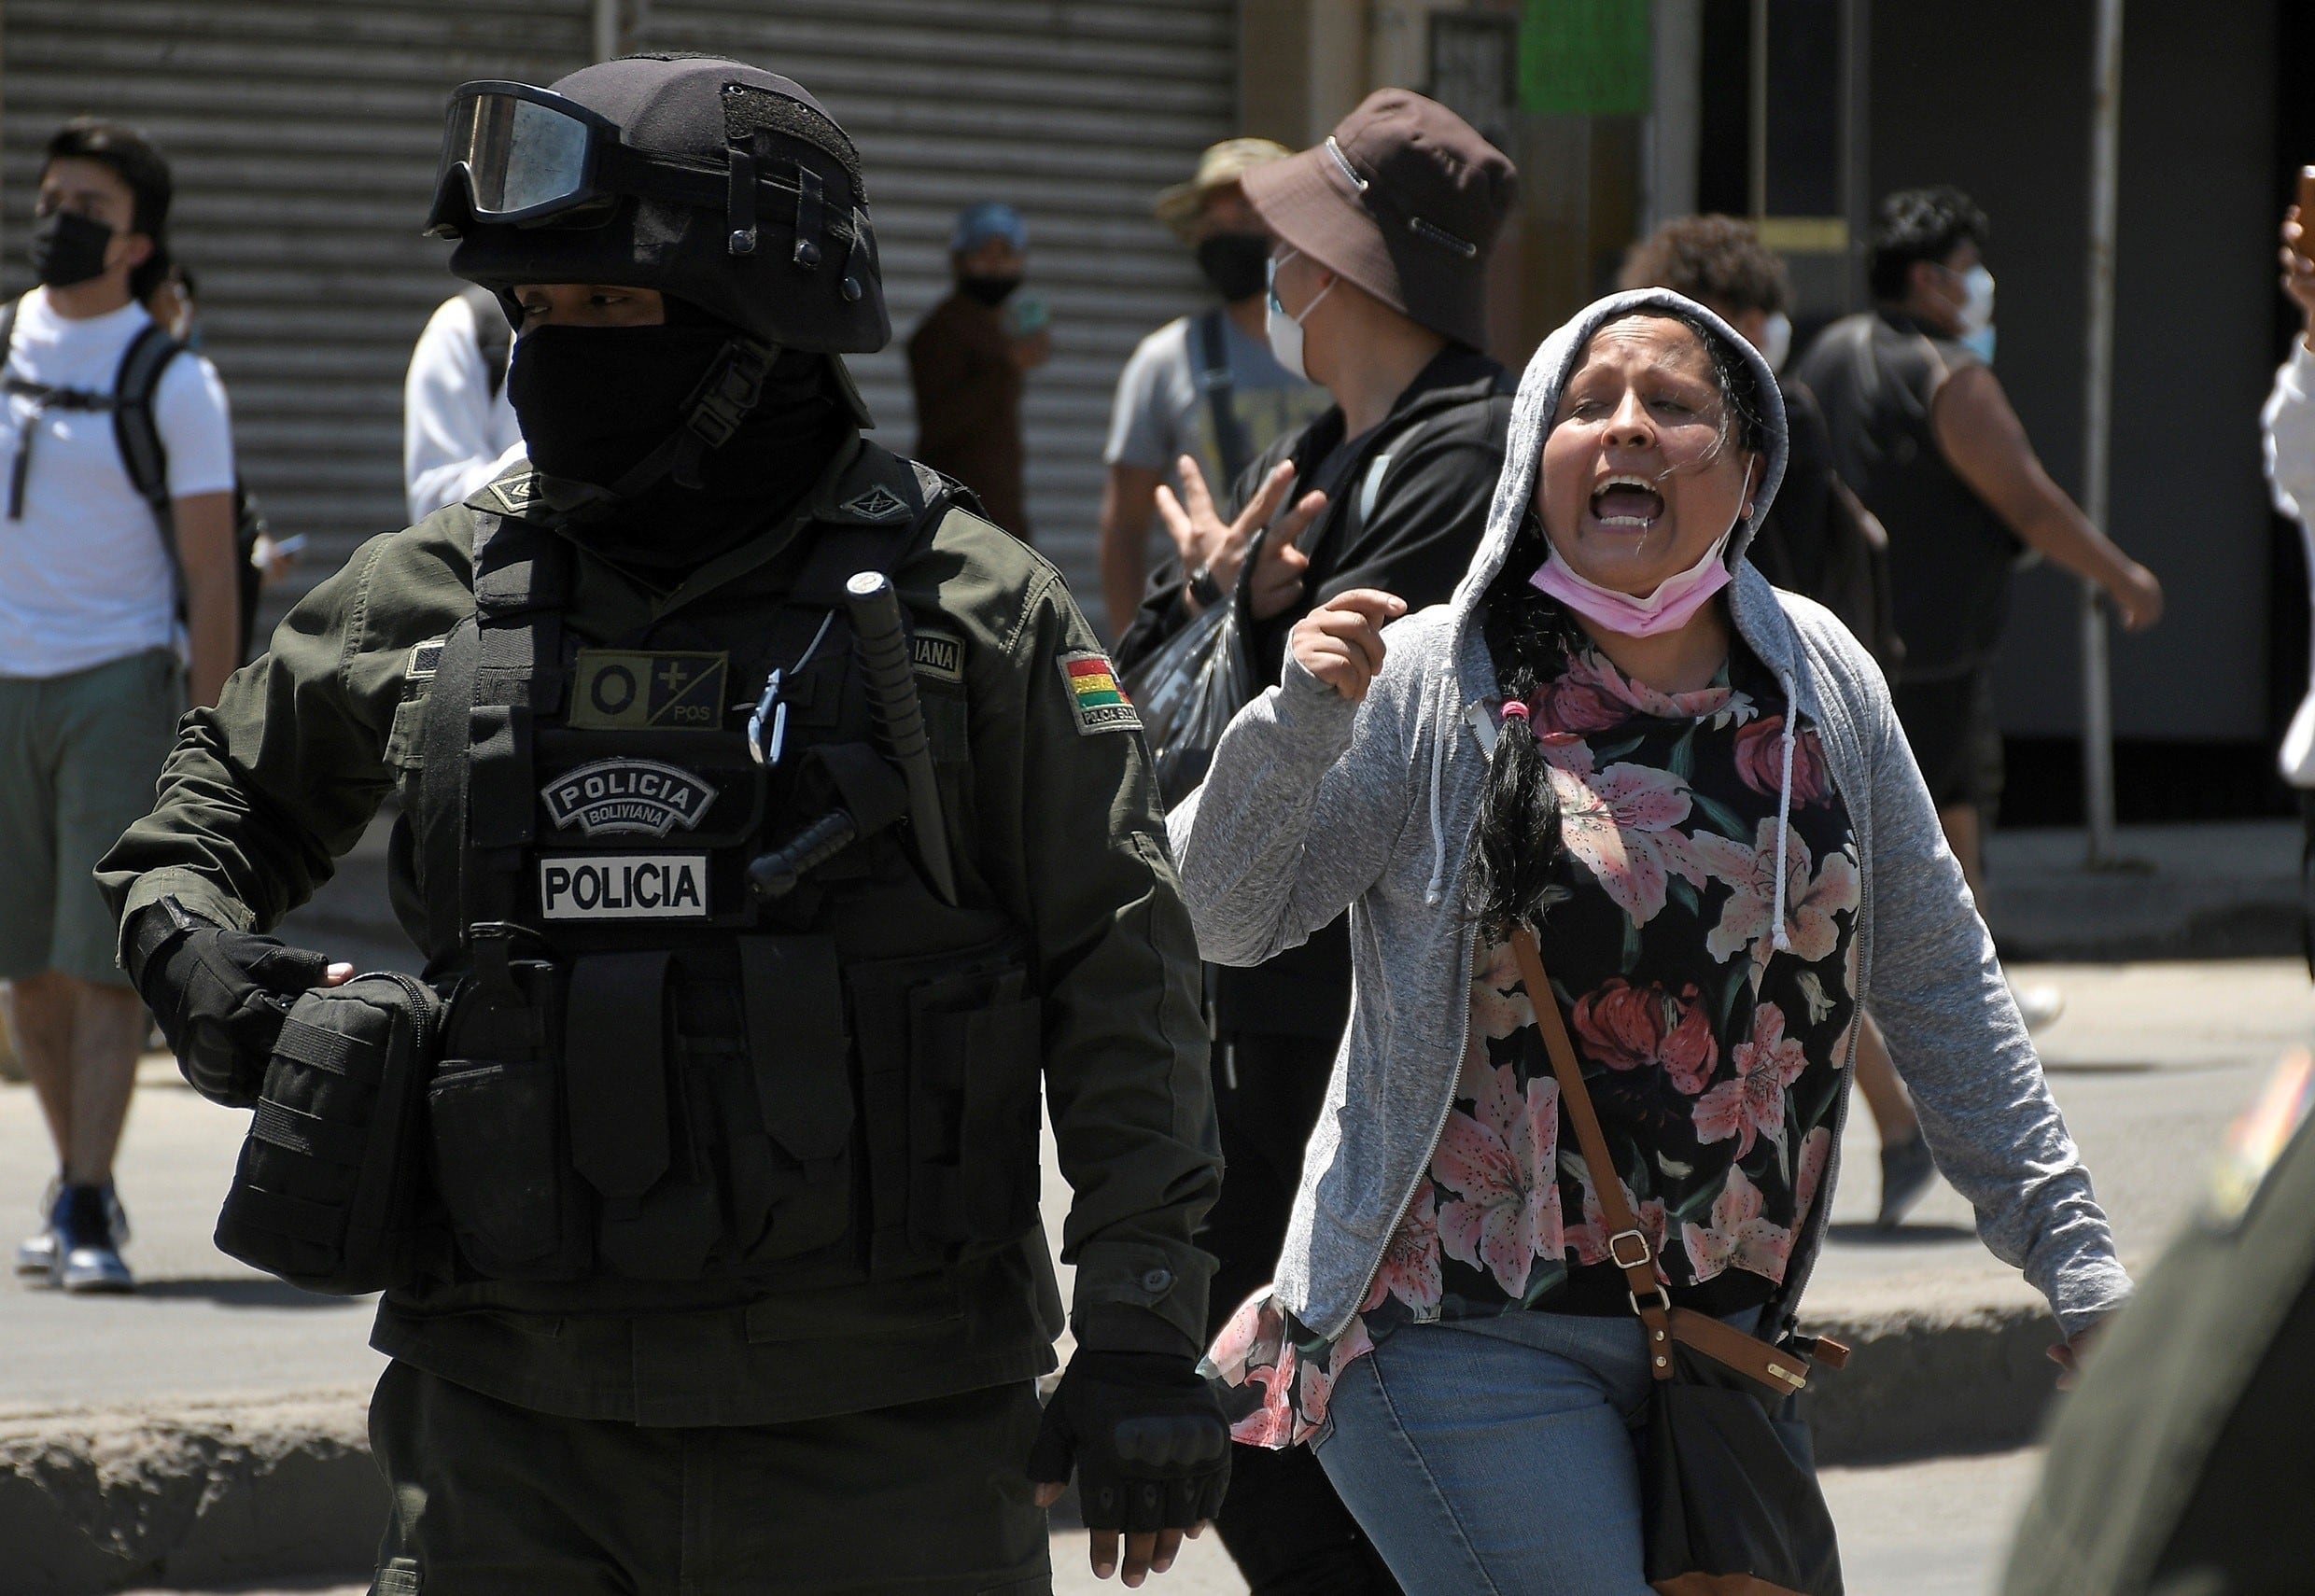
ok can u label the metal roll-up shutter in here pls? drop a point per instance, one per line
(302, 135)
(1077, 112)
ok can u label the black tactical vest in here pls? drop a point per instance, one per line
(653, 1074)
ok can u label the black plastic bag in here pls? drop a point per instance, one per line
(1188, 689)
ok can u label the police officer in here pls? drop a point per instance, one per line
(760, 909)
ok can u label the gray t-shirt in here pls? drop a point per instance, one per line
(1161, 412)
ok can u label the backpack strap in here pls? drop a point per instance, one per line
(136, 428)
(135, 432)
(1214, 380)
(494, 339)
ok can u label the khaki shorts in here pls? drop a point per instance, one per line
(80, 755)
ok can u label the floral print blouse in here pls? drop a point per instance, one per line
(1715, 1058)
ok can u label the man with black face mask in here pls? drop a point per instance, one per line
(970, 357)
(118, 601)
(773, 829)
(1204, 385)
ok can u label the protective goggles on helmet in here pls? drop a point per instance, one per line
(513, 154)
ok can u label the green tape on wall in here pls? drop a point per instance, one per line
(1585, 58)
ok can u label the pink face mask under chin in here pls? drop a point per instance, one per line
(1672, 605)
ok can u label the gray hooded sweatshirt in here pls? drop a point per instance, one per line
(1314, 805)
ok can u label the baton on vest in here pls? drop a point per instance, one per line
(871, 795)
(900, 718)
(775, 874)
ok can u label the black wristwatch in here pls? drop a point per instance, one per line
(1204, 590)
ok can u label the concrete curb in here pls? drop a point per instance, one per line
(227, 1493)
(1974, 1380)
(197, 1496)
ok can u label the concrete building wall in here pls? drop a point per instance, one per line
(1996, 98)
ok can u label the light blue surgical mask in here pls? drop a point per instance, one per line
(1286, 332)
(1977, 298)
(1777, 340)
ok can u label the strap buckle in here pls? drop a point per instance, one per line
(1648, 1253)
(729, 392)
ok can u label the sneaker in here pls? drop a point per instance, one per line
(36, 1255)
(2037, 1006)
(1906, 1169)
(88, 1244)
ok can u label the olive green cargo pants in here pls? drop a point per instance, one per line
(494, 1500)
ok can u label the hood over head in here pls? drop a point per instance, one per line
(1539, 401)
(1532, 410)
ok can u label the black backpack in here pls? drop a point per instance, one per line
(494, 339)
(135, 381)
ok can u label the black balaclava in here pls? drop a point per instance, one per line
(594, 401)
(1236, 263)
(68, 248)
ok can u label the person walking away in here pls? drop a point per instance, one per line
(2288, 428)
(1205, 386)
(459, 429)
(1815, 540)
(1618, 739)
(726, 1268)
(112, 608)
(1923, 431)
(1378, 293)
(970, 359)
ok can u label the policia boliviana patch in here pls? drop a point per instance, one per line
(1100, 705)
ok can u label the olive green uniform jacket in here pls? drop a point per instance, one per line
(1059, 828)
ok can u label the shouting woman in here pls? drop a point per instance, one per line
(1692, 789)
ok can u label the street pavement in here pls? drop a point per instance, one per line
(1940, 1528)
(2149, 1063)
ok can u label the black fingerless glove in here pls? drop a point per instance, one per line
(220, 995)
(1147, 1436)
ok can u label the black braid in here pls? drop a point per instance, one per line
(1530, 639)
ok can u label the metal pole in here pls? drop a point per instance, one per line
(608, 29)
(1757, 122)
(2098, 707)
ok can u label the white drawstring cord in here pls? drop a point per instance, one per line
(1442, 730)
(1782, 940)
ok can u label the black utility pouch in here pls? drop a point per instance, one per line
(974, 1056)
(328, 1191)
(950, 1049)
(496, 1112)
(792, 998)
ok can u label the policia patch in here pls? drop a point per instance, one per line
(1100, 705)
(623, 689)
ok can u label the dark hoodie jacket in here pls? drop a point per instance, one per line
(1406, 508)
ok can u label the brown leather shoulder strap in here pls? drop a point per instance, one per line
(1781, 1371)
(1627, 1244)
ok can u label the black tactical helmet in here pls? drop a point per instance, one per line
(709, 180)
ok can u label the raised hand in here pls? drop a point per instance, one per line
(1207, 543)
(1341, 642)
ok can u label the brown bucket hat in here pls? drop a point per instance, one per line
(1405, 199)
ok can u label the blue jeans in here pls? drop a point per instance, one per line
(1496, 1455)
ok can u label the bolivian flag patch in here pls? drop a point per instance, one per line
(1099, 703)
